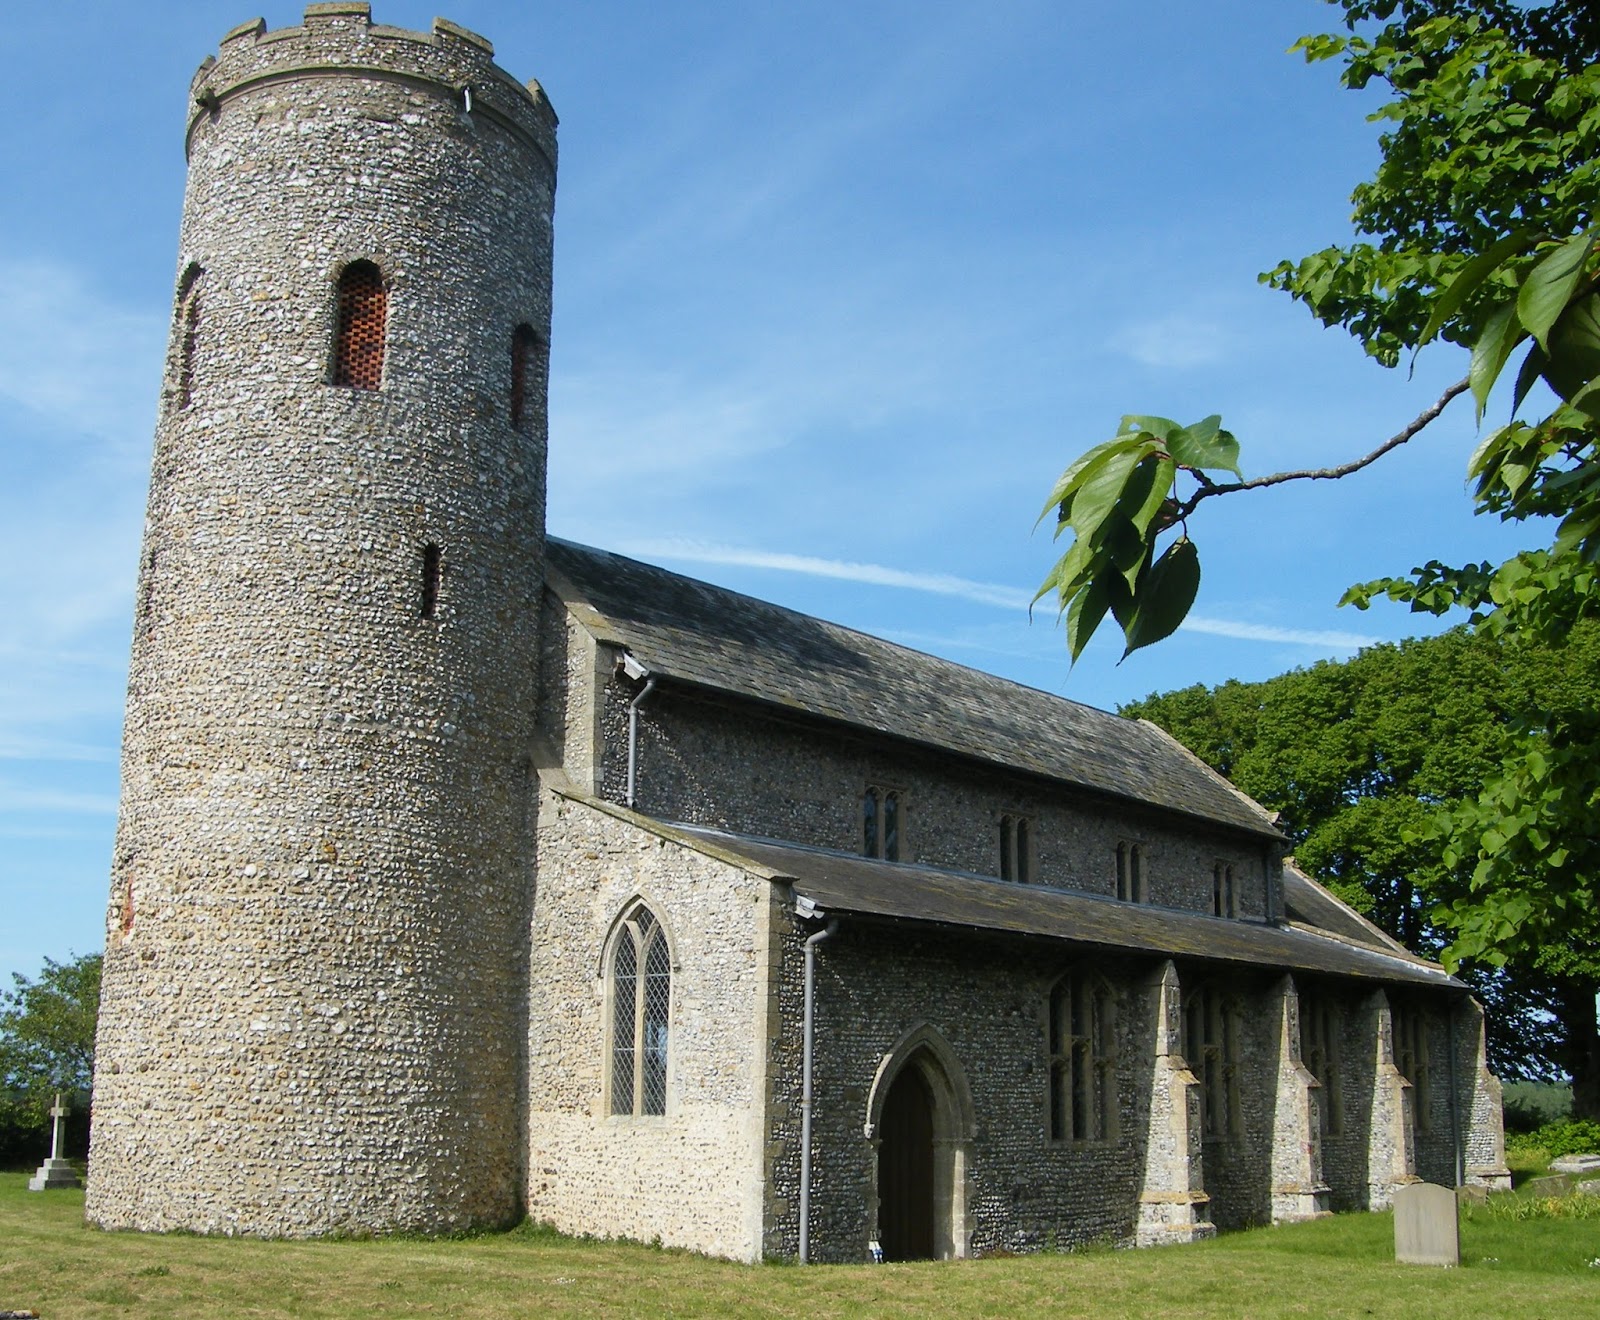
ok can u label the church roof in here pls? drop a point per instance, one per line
(844, 883)
(692, 632)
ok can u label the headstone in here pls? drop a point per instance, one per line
(1590, 1187)
(1426, 1230)
(1551, 1184)
(1576, 1164)
(1472, 1194)
(55, 1171)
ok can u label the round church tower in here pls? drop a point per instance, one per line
(315, 977)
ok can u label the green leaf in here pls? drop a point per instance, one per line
(1550, 285)
(1532, 368)
(1206, 445)
(1078, 471)
(1468, 279)
(1574, 348)
(1164, 596)
(1501, 334)
(1160, 427)
(1088, 609)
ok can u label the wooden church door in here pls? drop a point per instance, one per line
(905, 1169)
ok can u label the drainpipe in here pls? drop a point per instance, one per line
(1455, 1105)
(634, 670)
(806, 908)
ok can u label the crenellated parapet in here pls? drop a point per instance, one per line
(338, 39)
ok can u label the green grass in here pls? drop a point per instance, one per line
(1342, 1267)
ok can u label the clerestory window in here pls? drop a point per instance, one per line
(1224, 897)
(881, 823)
(1016, 848)
(641, 1002)
(1083, 1072)
(360, 326)
(1130, 874)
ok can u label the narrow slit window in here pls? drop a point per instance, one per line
(187, 331)
(524, 374)
(1015, 863)
(1130, 874)
(432, 575)
(881, 823)
(1224, 899)
(362, 315)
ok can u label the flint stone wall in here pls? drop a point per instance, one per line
(693, 1177)
(732, 765)
(314, 988)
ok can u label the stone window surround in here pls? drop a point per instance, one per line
(1015, 837)
(874, 831)
(1081, 1064)
(1224, 890)
(1211, 1047)
(624, 927)
(1133, 886)
(1321, 1026)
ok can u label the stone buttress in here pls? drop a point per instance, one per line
(315, 972)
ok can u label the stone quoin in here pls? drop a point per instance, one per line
(462, 874)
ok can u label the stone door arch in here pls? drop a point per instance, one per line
(920, 1124)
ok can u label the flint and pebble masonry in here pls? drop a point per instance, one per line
(315, 980)
(372, 852)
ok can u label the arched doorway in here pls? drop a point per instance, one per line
(905, 1169)
(920, 1124)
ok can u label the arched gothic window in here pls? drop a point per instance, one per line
(186, 337)
(641, 998)
(1083, 1059)
(1211, 1048)
(880, 823)
(359, 328)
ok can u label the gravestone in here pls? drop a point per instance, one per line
(1576, 1164)
(55, 1171)
(1426, 1230)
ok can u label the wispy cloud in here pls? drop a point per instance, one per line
(72, 356)
(938, 584)
(1177, 342)
(15, 797)
(944, 584)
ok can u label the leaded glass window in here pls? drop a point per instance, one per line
(641, 1004)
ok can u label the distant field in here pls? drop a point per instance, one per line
(51, 1263)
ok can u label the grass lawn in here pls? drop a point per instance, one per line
(51, 1263)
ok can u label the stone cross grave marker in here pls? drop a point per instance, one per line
(1426, 1229)
(55, 1171)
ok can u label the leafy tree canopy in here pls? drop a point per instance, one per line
(47, 1039)
(1478, 229)
(1362, 758)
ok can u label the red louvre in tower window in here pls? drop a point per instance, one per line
(524, 362)
(358, 337)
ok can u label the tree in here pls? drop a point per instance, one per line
(47, 1042)
(1360, 757)
(1479, 229)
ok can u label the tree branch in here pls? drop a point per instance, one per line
(1209, 487)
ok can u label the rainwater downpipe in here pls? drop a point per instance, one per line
(1455, 1105)
(634, 670)
(808, 1033)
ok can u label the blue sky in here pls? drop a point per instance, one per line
(840, 288)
